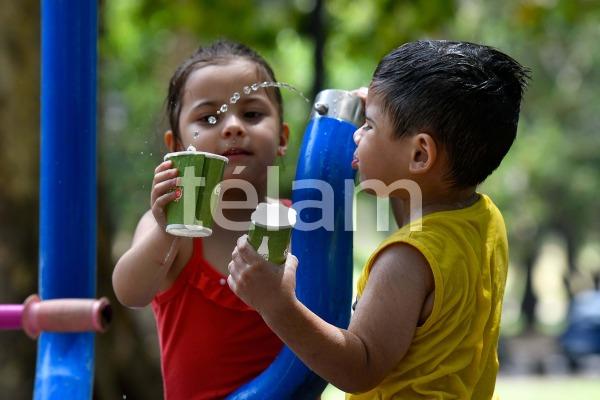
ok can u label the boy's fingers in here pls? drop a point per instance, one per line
(233, 270)
(291, 264)
(247, 252)
(361, 92)
(237, 260)
(231, 283)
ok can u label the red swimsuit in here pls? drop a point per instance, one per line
(211, 342)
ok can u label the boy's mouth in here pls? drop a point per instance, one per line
(355, 162)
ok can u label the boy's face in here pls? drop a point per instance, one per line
(380, 155)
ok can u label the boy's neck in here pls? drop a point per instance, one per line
(434, 202)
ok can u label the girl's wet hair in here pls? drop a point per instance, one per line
(219, 52)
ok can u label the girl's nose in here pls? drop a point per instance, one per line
(232, 127)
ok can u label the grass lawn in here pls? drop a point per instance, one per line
(529, 388)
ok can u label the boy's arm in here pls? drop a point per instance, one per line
(380, 331)
(139, 273)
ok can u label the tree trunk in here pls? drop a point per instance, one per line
(19, 142)
(318, 33)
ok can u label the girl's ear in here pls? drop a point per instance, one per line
(424, 153)
(172, 142)
(284, 137)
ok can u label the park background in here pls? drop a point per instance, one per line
(547, 187)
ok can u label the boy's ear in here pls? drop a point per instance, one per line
(284, 137)
(171, 141)
(424, 153)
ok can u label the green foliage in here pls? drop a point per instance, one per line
(550, 179)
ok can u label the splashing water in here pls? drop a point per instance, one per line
(235, 97)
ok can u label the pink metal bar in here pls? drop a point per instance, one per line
(10, 316)
(58, 315)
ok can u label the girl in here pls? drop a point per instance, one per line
(211, 342)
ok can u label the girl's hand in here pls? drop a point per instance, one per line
(262, 285)
(165, 180)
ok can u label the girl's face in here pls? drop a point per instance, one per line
(249, 134)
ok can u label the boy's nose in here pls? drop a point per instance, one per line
(357, 135)
(232, 127)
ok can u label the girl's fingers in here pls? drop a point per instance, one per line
(163, 187)
(164, 175)
(165, 199)
(163, 166)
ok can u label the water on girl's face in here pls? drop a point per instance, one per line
(246, 91)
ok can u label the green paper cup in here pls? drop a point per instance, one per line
(200, 173)
(270, 230)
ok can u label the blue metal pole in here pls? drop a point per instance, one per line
(67, 189)
(324, 278)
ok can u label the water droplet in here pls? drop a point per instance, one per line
(196, 134)
(211, 120)
(150, 153)
(141, 152)
(254, 86)
(223, 108)
(234, 98)
(247, 89)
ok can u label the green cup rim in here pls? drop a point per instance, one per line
(202, 153)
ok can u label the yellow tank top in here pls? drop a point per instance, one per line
(453, 355)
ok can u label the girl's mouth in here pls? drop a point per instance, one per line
(235, 152)
(355, 162)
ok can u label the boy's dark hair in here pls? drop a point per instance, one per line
(219, 52)
(466, 95)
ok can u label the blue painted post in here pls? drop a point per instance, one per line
(67, 189)
(324, 278)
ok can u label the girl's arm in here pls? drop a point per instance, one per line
(381, 329)
(141, 271)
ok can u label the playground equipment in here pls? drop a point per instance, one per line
(67, 263)
(324, 280)
(62, 315)
(65, 362)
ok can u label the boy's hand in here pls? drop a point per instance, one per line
(361, 92)
(165, 180)
(262, 285)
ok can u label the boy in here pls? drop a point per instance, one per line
(442, 115)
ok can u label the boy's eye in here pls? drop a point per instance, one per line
(366, 127)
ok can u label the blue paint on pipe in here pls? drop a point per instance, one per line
(67, 259)
(324, 277)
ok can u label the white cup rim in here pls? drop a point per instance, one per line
(191, 152)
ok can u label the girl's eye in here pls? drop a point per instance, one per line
(209, 119)
(366, 127)
(252, 114)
